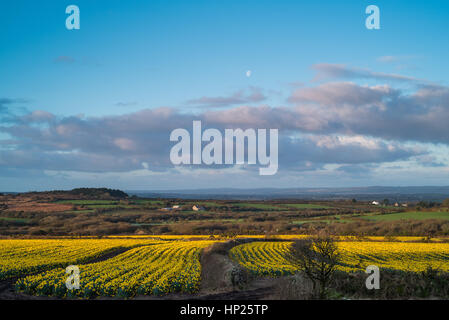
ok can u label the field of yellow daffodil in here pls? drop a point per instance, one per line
(275, 258)
(265, 258)
(161, 265)
(155, 269)
(19, 257)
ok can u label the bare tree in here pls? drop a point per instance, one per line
(318, 259)
(446, 202)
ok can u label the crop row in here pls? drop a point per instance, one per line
(21, 257)
(157, 269)
(276, 258)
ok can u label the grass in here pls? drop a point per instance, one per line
(21, 220)
(306, 206)
(147, 201)
(181, 203)
(108, 206)
(262, 206)
(125, 212)
(414, 215)
(89, 202)
(79, 211)
(206, 204)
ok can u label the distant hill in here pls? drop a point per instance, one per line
(84, 193)
(415, 193)
(410, 194)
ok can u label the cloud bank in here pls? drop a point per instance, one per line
(352, 127)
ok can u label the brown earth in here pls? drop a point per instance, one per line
(31, 204)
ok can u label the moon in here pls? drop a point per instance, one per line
(248, 73)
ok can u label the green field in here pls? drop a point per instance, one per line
(204, 204)
(102, 206)
(89, 202)
(147, 201)
(259, 206)
(305, 206)
(108, 206)
(415, 215)
(80, 211)
(20, 220)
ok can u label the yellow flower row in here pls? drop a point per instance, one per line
(275, 258)
(157, 269)
(19, 257)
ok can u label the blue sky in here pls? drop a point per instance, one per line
(129, 59)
